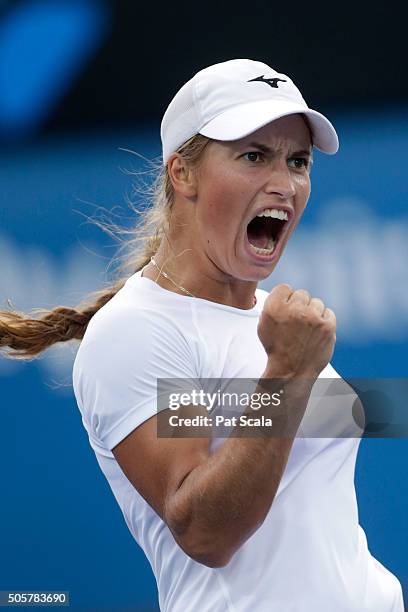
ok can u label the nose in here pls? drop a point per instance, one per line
(280, 180)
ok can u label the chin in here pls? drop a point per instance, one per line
(256, 273)
(263, 273)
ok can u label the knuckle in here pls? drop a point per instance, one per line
(282, 288)
(329, 328)
(302, 292)
(299, 313)
(316, 317)
(296, 309)
(317, 302)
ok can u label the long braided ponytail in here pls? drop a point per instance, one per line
(24, 336)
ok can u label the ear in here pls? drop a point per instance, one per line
(182, 177)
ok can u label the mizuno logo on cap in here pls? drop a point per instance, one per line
(271, 82)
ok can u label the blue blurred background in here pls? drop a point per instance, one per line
(80, 82)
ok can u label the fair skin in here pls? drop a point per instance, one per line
(213, 502)
(209, 253)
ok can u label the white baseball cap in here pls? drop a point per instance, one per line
(232, 99)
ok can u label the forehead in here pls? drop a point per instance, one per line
(292, 131)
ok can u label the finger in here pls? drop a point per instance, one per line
(300, 295)
(329, 314)
(282, 291)
(318, 305)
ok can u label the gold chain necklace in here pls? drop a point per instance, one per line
(174, 282)
(170, 279)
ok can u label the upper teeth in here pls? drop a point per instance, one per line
(273, 212)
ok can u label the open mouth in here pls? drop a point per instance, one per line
(265, 230)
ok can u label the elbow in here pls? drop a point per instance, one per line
(200, 545)
(213, 559)
(210, 555)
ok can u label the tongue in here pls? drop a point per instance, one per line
(257, 235)
(259, 242)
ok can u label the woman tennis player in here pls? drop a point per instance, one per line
(248, 523)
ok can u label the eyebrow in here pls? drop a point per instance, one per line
(265, 149)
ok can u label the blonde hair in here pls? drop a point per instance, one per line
(27, 335)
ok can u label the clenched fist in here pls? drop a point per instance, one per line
(297, 331)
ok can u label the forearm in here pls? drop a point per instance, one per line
(224, 500)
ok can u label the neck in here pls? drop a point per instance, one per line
(187, 274)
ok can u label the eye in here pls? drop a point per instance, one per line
(253, 156)
(300, 162)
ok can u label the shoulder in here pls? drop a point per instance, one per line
(136, 313)
(130, 343)
(131, 337)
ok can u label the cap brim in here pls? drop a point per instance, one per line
(244, 119)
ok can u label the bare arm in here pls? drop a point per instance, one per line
(225, 499)
(214, 503)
